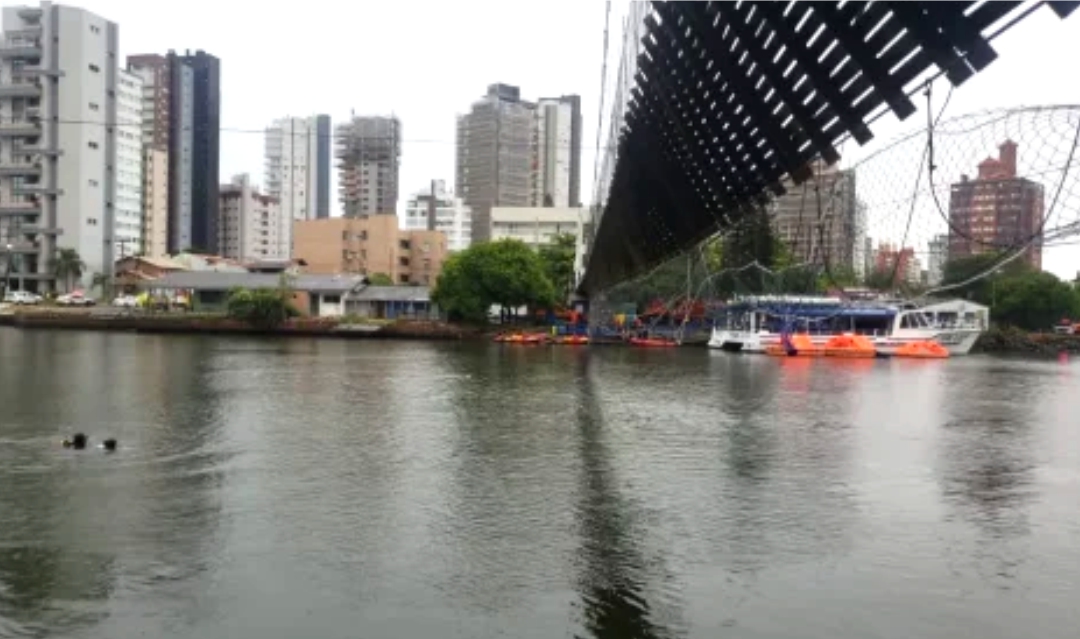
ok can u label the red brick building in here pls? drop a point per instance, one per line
(996, 211)
(899, 263)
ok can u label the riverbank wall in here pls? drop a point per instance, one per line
(101, 320)
(1008, 341)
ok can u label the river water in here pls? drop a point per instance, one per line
(293, 488)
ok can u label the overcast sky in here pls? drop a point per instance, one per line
(426, 60)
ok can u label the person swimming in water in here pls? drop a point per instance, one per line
(109, 445)
(76, 441)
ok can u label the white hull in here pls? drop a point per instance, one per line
(957, 341)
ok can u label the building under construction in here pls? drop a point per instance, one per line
(368, 151)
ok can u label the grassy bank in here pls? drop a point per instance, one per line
(1011, 341)
(104, 319)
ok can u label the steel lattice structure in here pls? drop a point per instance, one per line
(731, 98)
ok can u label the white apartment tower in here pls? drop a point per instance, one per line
(557, 146)
(253, 226)
(58, 142)
(297, 166)
(128, 205)
(452, 216)
(153, 72)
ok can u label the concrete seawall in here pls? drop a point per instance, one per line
(214, 325)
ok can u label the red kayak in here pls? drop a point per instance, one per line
(652, 342)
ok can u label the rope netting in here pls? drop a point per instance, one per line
(993, 188)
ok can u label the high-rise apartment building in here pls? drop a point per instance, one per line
(297, 167)
(253, 225)
(897, 265)
(556, 179)
(935, 261)
(819, 221)
(153, 70)
(58, 146)
(369, 159)
(997, 211)
(495, 155)
(514, 153)
(187, 95)
(155, 201)
(128, 204)
(436, 209)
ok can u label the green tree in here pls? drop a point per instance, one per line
(558, 261)
(380, 279)
(102, 282)
(963, 269)
(505, 272)
(750, 241)
(68, 266)
(264, 308)
(1033, 301)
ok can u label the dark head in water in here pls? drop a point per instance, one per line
(109, 444)
(76, 441)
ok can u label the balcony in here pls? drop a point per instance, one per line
(37, 189)
(32, 31)
(37, 149)
(33, 229)
(19, 209)
(20, 248)
(27, 51)
(30, 14)
(20, 168)
(20, 90)
(37, 72)
(19, 128)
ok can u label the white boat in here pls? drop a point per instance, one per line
(751, 325)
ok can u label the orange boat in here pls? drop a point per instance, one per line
(521, 338)
(851, 346)
(572, 340)
(652, 342)
(922, 350)
(804, 347)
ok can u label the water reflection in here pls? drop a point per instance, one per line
(510, 475)
(613, 571)
(314, 488)
(787, 451)
(987, 465)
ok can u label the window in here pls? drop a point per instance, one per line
(93, 145)
(331, 299)
(93, 182)
(403, 278)
(93, 106)
(403, 261)
(95, 68)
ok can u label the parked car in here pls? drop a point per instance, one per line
(22, 297)
(126, 301)
(75, 299)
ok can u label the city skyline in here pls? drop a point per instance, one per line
(428, 150)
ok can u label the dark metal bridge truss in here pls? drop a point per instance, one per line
(732, 97)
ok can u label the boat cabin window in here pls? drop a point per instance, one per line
(913, 320)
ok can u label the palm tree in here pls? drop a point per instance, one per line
(68, 265)
(102, 281)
